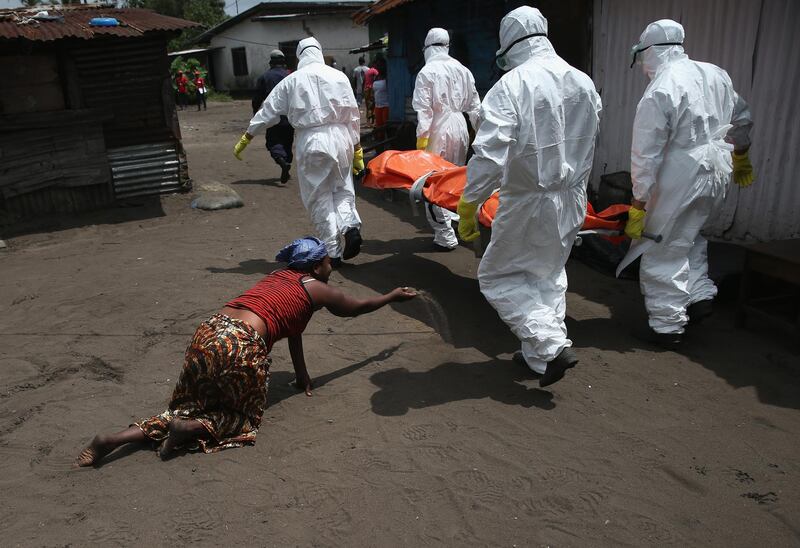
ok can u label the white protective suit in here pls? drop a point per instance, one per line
(535, 141)
(443, 91)
(320, 105)
(681, 166)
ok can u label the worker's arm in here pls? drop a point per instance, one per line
(474, 108)
(651, 130)
(302, 379)
(274, 106)
(422, 103)
(340, 304)
(496, 134)
(742, 121)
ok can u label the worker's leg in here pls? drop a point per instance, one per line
(701, 287)
(441, 222)
(315, 178)
(665, 274)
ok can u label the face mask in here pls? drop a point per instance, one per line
(636, 50)
(502, 60)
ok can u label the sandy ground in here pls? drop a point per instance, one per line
(418, 433)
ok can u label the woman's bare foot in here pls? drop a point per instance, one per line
(181, 431)
(102, 445)
(95, 451)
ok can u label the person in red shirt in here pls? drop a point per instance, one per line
(369, 95)
(221, 392)
(181, 82)
(200, 89)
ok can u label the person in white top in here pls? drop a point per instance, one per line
(444, 90)
(319, 103)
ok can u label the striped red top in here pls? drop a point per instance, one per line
(281, 301)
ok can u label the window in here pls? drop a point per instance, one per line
(289, 50)
(239, 56)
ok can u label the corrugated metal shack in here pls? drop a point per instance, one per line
(87, 113)
(473, 26)
(756, 41)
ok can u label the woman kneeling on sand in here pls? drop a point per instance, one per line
(222, 390)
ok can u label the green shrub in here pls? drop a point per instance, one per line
(219, 96)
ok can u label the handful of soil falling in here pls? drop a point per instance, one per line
(436, 315)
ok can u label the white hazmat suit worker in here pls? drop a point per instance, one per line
(687, 123)
(319, 103)
(444, 90)
(535, 141)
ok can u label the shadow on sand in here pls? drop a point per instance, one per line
(125, 211)
(401, 390)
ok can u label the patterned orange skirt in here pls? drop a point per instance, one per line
(223, 385)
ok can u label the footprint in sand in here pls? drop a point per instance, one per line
(478, 485)
(416, 433)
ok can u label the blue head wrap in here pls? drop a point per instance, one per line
(303, 254)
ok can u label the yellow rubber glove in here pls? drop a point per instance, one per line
(240, 146)
(467, 222)
(358, 160)
(422, 143)
(635, 225)
(742, 170)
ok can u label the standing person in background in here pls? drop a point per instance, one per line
(200, 89)
(181, 82)
(358, 80)
(319, 103)
(369, 98)
(443, 92)
(381, 94)
(280, 138)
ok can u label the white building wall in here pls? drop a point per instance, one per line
(757, 43)
(337, 34)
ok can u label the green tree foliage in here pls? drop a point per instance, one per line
(206, 12)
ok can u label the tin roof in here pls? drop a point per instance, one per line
(362, 16)
(19, 24)
(283, 8)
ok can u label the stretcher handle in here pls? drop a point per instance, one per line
(655, 237)
(608, 232)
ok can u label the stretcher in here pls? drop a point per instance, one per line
(429, 178)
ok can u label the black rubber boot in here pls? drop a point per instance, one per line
(670, 341)
(284, 170)
(352, 243)
(556, 368)
(699, 311)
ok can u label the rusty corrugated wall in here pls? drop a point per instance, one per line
(126, 77)
(756, 42)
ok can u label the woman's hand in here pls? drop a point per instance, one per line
(402, 294)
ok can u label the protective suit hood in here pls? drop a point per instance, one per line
(309, 51)
(660, 43)
(437, 44)
(516, 43)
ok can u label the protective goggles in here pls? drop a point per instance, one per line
(636, 50)
(517, 41)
